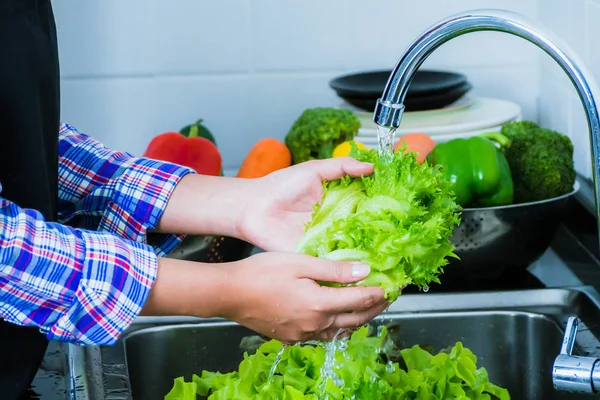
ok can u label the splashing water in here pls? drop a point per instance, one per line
(327, 370)
(270, 379)
(386, 140)
(336, 345)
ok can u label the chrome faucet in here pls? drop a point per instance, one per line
(570, 373)
(575, 373)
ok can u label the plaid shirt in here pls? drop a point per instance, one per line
(85, 280)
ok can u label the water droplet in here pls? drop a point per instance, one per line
(389, 367)
(273, 330)
(425, 289)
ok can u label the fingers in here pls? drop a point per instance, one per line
(336, 168)
(344, 299)
(347, 322)
(357, 319)
(320, 269)
(356, 298)
(329, 334)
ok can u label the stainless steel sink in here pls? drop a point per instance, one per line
(517, 348)
(516, 335)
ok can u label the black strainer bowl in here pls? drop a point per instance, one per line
(491, 242)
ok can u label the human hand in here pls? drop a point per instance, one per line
(280, 204)
(276, 294)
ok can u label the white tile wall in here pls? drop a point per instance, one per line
(118, 111)
(108, 37)
(299, 35)
(197, 37)
(277, 99)
(131, 70)
(577, 23)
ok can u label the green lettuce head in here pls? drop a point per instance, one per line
(399, 221)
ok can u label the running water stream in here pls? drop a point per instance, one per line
(270, 378)
(386, 141)
(386, 138)
(328, 367)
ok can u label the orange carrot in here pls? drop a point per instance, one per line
(268, 155)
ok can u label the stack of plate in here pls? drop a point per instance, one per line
(464, 118)
(428, 89)
(437, 103)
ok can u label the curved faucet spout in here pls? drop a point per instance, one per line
(389, 110)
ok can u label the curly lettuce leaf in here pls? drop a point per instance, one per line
(342, 198)
(182, 390)
(399, 221)
(452, 375)
(364, 369)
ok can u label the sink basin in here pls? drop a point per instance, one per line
(516, 336)
(517, 348)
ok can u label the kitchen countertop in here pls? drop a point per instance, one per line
(572, 260)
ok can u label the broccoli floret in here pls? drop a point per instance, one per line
(316, 133)
(541, 161)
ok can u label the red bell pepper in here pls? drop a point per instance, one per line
(197, 153)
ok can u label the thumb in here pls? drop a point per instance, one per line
(335, 168)
(333, 271)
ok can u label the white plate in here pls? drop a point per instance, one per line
(371, 142)
(480, 115)
(436, 138)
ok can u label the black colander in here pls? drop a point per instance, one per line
(494, 241)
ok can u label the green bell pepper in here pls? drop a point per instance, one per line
(479, 170)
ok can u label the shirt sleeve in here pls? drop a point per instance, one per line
(105, 190)
(76, 285)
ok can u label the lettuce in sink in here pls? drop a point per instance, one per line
(367, 367)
